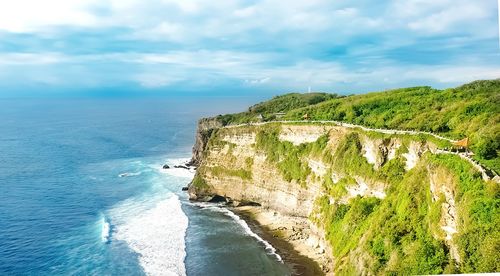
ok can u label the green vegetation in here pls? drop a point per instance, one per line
(249, 162)
(397, 235)
(393, 233)
(199, 183)
(348, 157)
(214, 142)
(270, 109)
(284, 154)
(289, 158)
(471, 110)
(401, 233)
(479, 203)
(339, 189)
(221, 171)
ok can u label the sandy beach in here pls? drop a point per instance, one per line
(291, 236)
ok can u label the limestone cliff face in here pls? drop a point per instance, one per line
(289, 167)
(233, 167)
(203, 132)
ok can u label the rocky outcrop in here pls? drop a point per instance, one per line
(366, 188)
(442, 189)
(415, 150)
(300, 134)
(203, 132)
(374, 151)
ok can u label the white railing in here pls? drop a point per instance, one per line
(381, 130)
(464, 156)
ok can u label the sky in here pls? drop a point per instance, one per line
(238, 46)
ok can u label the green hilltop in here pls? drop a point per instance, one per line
(471, 110)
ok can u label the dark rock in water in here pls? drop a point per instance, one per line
(185, 188)
(166, 166)
(181, 167)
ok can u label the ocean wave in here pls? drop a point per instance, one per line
(157, 235)
(127, 174)
(178, 172)
(105, 230)
(182, 160)
(219, 208)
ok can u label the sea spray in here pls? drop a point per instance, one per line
(157, 235)
(105, 229)
(177, 172)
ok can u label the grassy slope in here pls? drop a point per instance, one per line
(471, 110)
(278, 104)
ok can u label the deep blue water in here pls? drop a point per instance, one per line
(82, 192)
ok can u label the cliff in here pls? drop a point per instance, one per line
(375, 202)
(376, 180)
(203, 132)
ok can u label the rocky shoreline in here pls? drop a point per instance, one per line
(291, 236)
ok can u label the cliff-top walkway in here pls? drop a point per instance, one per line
(486, 173)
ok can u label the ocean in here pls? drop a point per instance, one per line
(83, 192)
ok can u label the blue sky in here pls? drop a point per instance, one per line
(160, 46)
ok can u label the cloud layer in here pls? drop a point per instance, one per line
(267, 45)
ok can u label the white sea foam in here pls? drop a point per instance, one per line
(127, 174)
(178, 161)
(105, 230)
(269, 248)
(156, 234)
(178, 172)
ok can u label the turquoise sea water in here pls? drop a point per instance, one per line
(82, 192)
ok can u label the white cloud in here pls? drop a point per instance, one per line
(245, 12)
(32, 58)
(192, 21)
(204, 59)
(211, 68)
(32, 16)
(449, 17)
(258, 81)
(163, 31)
(170, 18)
(419, 8)
(267, 43)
